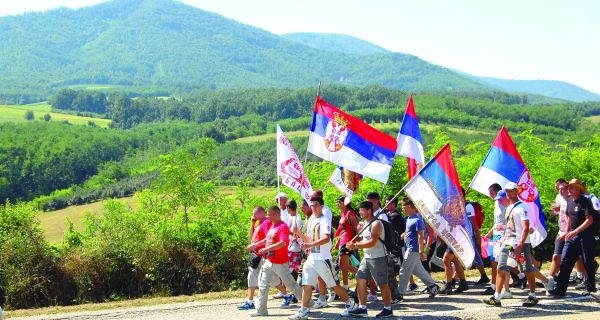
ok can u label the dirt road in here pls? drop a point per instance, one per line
(464, 306)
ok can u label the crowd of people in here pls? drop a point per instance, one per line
(386, 246)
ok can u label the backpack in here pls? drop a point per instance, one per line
(392, 238)
(479, 216)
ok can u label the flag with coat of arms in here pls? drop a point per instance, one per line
(289, 167)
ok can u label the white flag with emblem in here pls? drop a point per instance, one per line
(289, 167)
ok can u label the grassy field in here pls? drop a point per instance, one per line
(54, 223)
(595, 119)
(16, 113)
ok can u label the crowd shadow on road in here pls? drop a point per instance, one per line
(554, 310)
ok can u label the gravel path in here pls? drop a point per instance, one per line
(464, 306)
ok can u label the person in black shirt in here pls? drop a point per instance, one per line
(579, 239)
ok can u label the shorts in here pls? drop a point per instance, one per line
(376, 268)
(313, 269)
(294, 259)
(254, 274)
(558, 247)
(526, 252)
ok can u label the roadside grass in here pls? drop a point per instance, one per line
(16, 113)
(595, 119)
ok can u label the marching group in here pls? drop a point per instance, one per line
(295, 256)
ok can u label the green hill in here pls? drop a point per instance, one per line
(336, 43)
(549, 88)
(166, 44)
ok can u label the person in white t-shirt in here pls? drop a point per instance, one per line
(516, 241)
(559, 208)
(318, 264)
(282, 199)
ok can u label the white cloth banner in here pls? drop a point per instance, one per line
(289, 167)
(338, 181)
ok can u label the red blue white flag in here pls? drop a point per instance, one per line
(289, 167)
(504, 164)
(351, 143)
(436, 192)
(410, 143)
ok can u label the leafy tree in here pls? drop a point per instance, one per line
(29, 115)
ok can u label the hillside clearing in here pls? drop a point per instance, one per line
(16, 113)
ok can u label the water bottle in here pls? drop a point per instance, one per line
(354, 261)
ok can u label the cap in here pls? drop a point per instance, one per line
(578, 184)
(511, 186)
(501, 194)
(280, 195)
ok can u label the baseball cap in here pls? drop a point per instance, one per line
(511, 186)
(280, 195)
(501, 194)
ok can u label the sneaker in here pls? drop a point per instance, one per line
(462, 286)
(349, 308)
(359, 312)
(587, 292)
(506, 295)
(332, 297)
(247, 306)
(285, 302)
(398, 299)
(320, 304)
(447, 289)
(371, 297)
(515, 284)
(259, 314)
(300, 315)
(575, 279)
(433, 290)
(554, 294)
(581, 286)
(524, 285)
(412, 287)
(550, 284)
(488, 291)
(483, 280)
(385, 313)
(530, 301)
(453, 283)
(492, 302)
(279, 295)
(595, 296)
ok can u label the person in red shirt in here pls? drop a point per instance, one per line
(276, 251)
(345, 232)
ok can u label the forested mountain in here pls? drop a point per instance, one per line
(166, 44)
(336, 42)
(351, 45)
(548, 88)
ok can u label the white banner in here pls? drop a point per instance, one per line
(289, 167)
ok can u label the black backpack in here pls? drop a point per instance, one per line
(392, 238)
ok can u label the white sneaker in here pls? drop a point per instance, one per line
(371, 297)
(506, 295)
(550, 285)
(300, 315)
(349, 307)
(331, 297)
(320, 304)
(279, 295)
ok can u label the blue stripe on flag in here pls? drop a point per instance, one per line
(353, 141)
(410, 127)
(504, 164)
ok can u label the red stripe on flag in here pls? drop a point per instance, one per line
(504, 142)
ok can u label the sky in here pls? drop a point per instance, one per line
(509, 39)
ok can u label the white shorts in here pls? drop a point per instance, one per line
(253, 276)
(313, 269)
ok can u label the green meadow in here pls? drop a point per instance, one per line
(16, 113)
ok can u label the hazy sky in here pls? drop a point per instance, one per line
(511, 39)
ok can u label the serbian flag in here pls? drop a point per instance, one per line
(435, 190)
(349, 142)
(289, 168)
(410, 143)
(502, 165)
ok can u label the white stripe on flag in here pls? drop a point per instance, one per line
(411, 148)
(349, 159)
(485, 177)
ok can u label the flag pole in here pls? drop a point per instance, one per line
(380, 212)
(276, 168)
(306, 154)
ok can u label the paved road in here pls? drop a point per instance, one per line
(465, 306)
